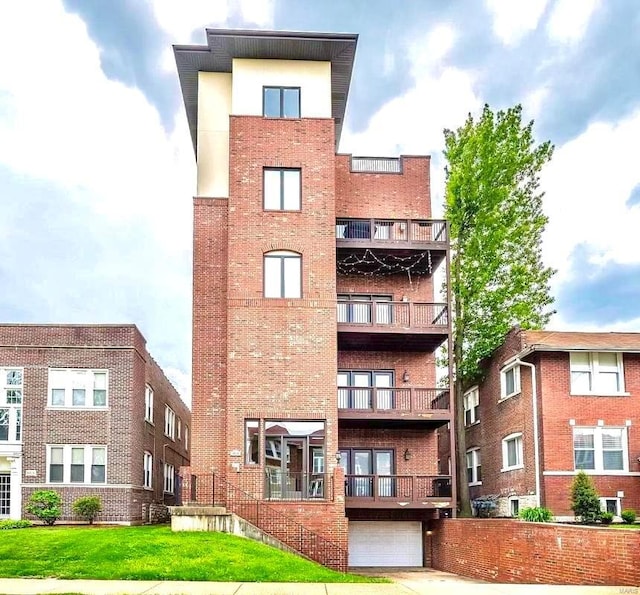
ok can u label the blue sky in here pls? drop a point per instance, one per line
(97, 171)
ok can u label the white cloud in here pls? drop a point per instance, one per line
(533, 102)
(512, 20)
(569, 19)
(587, 184)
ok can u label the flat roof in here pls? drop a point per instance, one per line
(223, 45)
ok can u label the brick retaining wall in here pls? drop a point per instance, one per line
(510, 551)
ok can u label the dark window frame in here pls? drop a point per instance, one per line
(282, 171)
(274, 254)
(281, 90)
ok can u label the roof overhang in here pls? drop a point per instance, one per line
(223, 45)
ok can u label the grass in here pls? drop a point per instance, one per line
(624, 526)
(153, 553)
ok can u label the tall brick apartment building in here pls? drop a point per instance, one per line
(314, 318)
(553, 403)
(85, 410)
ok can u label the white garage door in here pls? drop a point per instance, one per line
(385, 543)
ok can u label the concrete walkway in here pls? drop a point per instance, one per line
(406, 582)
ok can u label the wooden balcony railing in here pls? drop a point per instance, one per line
(376, 491)
(393, 400)
(392, 316)
(403, 232)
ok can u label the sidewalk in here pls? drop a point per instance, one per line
(407, 583)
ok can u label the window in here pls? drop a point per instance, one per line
(179, 429)
(474, 467)
(281, 102)
(186, 436)
(281, 189)
(72, 463)
(282, 274)
(365, 309)
(611, 505)
(148, 470)
(512, 452)
(148, 404)
(77, 388)
(600, 449)
(596, 373)
(365, 389)
(169, 478)
(510, 381)
(514, 506)
(251, 441)
(471, 406)
(10, 404)
(169, 423)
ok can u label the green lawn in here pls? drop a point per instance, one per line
(624, 526)
(152, 553)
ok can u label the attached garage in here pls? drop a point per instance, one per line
(385, 543)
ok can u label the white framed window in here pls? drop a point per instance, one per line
(148, 404)
(169, 422)
(11, 392)
(509, 381)
(179, 429)
(282, 274)
(471, 406)
(474, 467)
(610, 505)
(71, 388)
(512, 452)
(514, 506)
(76, 463)
(600, 449)
(169, 478)
(148, 470)
(282, 189)
(596, 373)
(317, 465)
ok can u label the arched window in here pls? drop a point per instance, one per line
(282, 274)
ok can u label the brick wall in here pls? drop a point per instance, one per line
(506, 551)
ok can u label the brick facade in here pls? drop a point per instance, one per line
(506, 551)
(120, 426)
(559, 412)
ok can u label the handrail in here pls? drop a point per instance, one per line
(393, 231)
(272, 521)
(392, 398)
(387, 314)
(412, 488)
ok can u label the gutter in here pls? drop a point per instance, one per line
(534, 407)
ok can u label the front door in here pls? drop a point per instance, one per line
(384, 468)
(382, 381)
(5, 495)
(362, 466)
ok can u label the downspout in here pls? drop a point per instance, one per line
(534, 406)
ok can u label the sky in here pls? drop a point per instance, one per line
(97, 172)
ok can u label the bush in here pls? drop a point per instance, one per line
(45, 505)
(606, 518)
(536, 514)
(584, 499)
(11, 524)
(87, 507)
(628, 516)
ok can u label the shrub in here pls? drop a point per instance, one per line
(536, 514)
(584, 499)
(628, 516)
(87, 507)
(45, 505)
(606, 518)
(11, 524)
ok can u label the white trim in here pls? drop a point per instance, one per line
(519, 452)
(593, 368)
(147, 467)
(148, 403)
(598, 448)
(595, 473)
(475, 405)
(69, 379)
(67, 463)
(169, 423)
(516, 381)
(603, 504)
(475, 464)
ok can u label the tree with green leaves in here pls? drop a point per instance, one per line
(585, 502)
(497, 277)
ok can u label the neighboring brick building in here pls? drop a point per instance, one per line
(588, 414)
(84, 410)
(314, 322)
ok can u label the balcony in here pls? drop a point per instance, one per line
(398, 491)
(391, 326)
(390, 245)
(393, 407)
